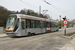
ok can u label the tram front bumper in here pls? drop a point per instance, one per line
(11, 34)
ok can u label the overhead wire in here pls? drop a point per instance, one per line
(62, 11)
(52, 5)
(28, 3)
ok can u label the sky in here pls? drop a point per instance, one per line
(57, 7)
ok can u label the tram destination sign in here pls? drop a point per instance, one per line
(11, 16)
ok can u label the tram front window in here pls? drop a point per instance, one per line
(10, 22)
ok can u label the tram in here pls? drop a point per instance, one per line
(23, 25)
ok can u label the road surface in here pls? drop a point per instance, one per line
(45, 41)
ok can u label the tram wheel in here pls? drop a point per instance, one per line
(29, 34)
(57, 30)
(33, 34)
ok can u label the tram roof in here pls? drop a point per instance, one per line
(24, 15)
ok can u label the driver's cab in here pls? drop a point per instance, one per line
(12, 23)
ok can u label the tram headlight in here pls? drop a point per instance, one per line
(8, 31)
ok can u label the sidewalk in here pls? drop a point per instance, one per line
(70, 46)
(3, 35)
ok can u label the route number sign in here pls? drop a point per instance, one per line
(64, 26)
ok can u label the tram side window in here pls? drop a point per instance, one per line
(23, 25)
(37, 24)
(56, 24)
(44, 24)
(27, 23)
(32, 24)
(41, 24)
(52, 24)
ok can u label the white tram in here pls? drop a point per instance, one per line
(23, 25)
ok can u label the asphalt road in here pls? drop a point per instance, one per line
(45, 41)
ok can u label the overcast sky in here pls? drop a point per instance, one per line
(57, 7)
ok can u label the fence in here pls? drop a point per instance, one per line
(1, 30)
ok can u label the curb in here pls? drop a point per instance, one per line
(73, 36)
(2, 35)
(67, 37)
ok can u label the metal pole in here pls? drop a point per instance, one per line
(60, 21)
(39, 9)
(72, 24)
(65, 31)
(68, 22)
(65, 26)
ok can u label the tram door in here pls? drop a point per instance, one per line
(23, 27)
(41, 26)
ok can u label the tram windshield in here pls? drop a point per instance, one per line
(11, 22)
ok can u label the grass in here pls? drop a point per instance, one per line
(70, 34)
